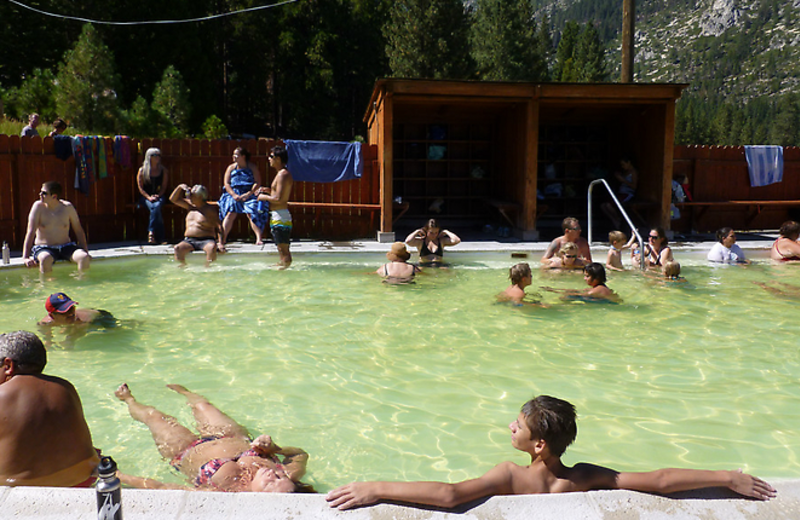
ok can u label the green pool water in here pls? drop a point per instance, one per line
(421, 381)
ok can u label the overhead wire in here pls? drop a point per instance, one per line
(152, 22)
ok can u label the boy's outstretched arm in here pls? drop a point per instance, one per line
(672, 480)
(496, 481)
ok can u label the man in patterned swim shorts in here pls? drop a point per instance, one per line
(47, 237)
(280, 220)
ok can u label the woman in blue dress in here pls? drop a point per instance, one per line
(242, 181)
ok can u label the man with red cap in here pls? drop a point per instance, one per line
(63, 311)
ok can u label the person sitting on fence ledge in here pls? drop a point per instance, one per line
(223, 457)
(786, 248)
(203, 230)
(47, 237)
(151, 180)
(544, 429)
(44, 438)
(431, 240)
(242, 181)
(572, 233)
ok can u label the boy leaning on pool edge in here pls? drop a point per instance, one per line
(544, 429)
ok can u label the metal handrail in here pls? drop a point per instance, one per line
(622, 212)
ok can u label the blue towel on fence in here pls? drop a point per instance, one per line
(324, 161)
(765, 164)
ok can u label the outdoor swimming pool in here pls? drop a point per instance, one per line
(420, 381)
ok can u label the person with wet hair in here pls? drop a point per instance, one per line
(544, 428)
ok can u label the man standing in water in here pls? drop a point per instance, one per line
(47, 237)
(280, 220)
(203, 229)
(44, 439)
(572, 233)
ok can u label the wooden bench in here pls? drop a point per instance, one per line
(754, 207)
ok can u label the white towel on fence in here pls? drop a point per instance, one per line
(765, 164)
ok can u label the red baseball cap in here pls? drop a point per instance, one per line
(59, 302)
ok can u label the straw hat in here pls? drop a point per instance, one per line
(398, 253)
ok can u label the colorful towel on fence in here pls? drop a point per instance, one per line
(122, 151)
(84, 162)
(765, 164)
(62, 145)
(324, 161)
(102, 164)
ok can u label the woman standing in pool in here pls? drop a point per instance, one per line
(222, 457)
(431, 241)
(786, 248)
(242, 181)
(152, 183)
(725, 250)
(657, 252)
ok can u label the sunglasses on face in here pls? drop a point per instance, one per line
(570, 256)
(653, 237)
(43, 194)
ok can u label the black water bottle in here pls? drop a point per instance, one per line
(109, 505)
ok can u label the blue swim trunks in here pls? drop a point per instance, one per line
(62, 252)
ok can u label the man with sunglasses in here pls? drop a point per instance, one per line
(572, 233)
(47, 238)
(280, 220)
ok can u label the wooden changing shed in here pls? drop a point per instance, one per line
(525, 152)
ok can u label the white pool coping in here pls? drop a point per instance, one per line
(711, 504)
(599, 249)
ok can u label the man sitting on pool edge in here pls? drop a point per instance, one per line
(544, 429)
(203, 228)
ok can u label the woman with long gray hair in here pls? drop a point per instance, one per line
(152, 183)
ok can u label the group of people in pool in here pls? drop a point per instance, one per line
(41, 410)
(222, 456)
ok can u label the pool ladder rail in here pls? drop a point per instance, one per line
(622, 211)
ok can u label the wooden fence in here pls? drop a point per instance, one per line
(323, 211)
(720, 185)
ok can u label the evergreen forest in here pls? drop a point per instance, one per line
(306, 68)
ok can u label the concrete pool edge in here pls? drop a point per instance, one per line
(710, 504)
(127, 249)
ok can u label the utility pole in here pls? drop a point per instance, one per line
(628, 19)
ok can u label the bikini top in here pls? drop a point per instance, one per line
(424, 251)
(210, 468)
(784, 258)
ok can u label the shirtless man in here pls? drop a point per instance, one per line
(44, 439)
(572, 233)
(280, 220)
(544, 429)
(63, 312)
(203, 229)
(47, 237)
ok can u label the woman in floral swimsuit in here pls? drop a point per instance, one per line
(223, 457)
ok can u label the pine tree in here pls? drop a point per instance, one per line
(504, 44)
(544, 45)
(87, 80)
(784, 130)
(171, 102)
(589, 56)
(427, 39)
(565, 70)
